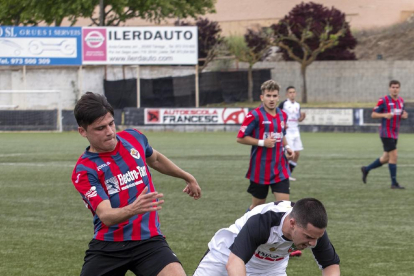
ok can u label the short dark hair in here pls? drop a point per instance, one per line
(270, 85)
(90, 107)
(394, 82)
(310, 210)
(289, 87)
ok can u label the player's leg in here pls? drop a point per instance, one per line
(387, 145)
(155, 257)
(290, 139)
(259, 193)
(281, 190)
(105, 258)
(296, 145)
(392, 166)
(172, 269)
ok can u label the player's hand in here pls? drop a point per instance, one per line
(404, 115)
(270, 142)
(388, 115)
(192, 188)
(290, 154)
(146, 202)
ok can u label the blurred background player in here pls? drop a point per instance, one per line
(390, 109)
(114, 180)
(264, 130)
(292, 108)
(258, 243)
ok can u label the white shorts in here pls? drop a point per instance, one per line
(294, 141)
(213, 266)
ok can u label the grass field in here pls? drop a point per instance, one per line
(45, 227)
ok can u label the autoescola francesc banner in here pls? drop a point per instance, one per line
(195, 116)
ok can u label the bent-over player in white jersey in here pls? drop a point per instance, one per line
(292, 109)
(259, 243)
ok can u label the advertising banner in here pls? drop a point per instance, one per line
(331, 117)
(195, 116)
(140, 45)
(40, 45)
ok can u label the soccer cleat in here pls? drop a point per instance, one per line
(364, 174)
(397, 186)
(296, 253)
(292, 178)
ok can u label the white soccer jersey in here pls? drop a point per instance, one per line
(258, 240)
(293, 112)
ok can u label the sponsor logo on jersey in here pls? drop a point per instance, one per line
(397, 111)
(77, 178)
(268, 256)
(126, 180)
(135, 153)
(248, 115)
(112, 185)
(103, 166)
(91, 193)
(275, 135)
(266, 122)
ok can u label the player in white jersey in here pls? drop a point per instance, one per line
(259, 243)
(292, 109)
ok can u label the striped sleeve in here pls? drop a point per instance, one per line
(88, 185)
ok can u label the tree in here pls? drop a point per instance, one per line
(113, 12)
(16, 13)
(313, 32)
(209, 39)
(251, 48)
(52, 12)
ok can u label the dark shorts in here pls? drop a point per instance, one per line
(389, 144)
(260, 191)
(146, 258)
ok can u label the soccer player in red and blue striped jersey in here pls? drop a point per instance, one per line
(115, 183)
(264, 129)
(390, 109)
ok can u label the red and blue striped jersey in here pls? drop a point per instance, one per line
(389, 128)
(118, 176)
(267, 165)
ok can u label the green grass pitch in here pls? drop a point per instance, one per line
(45, 228)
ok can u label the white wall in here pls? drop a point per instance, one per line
(328, 81)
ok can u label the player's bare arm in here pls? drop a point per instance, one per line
(302, 116)
(164, 165)
(376, 115)
(248, 140)
(404, 115)
(145, 202)
(332, 270)
(235, 266)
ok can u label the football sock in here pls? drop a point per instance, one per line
(292, 165)
(374, 165)
(393, 173)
